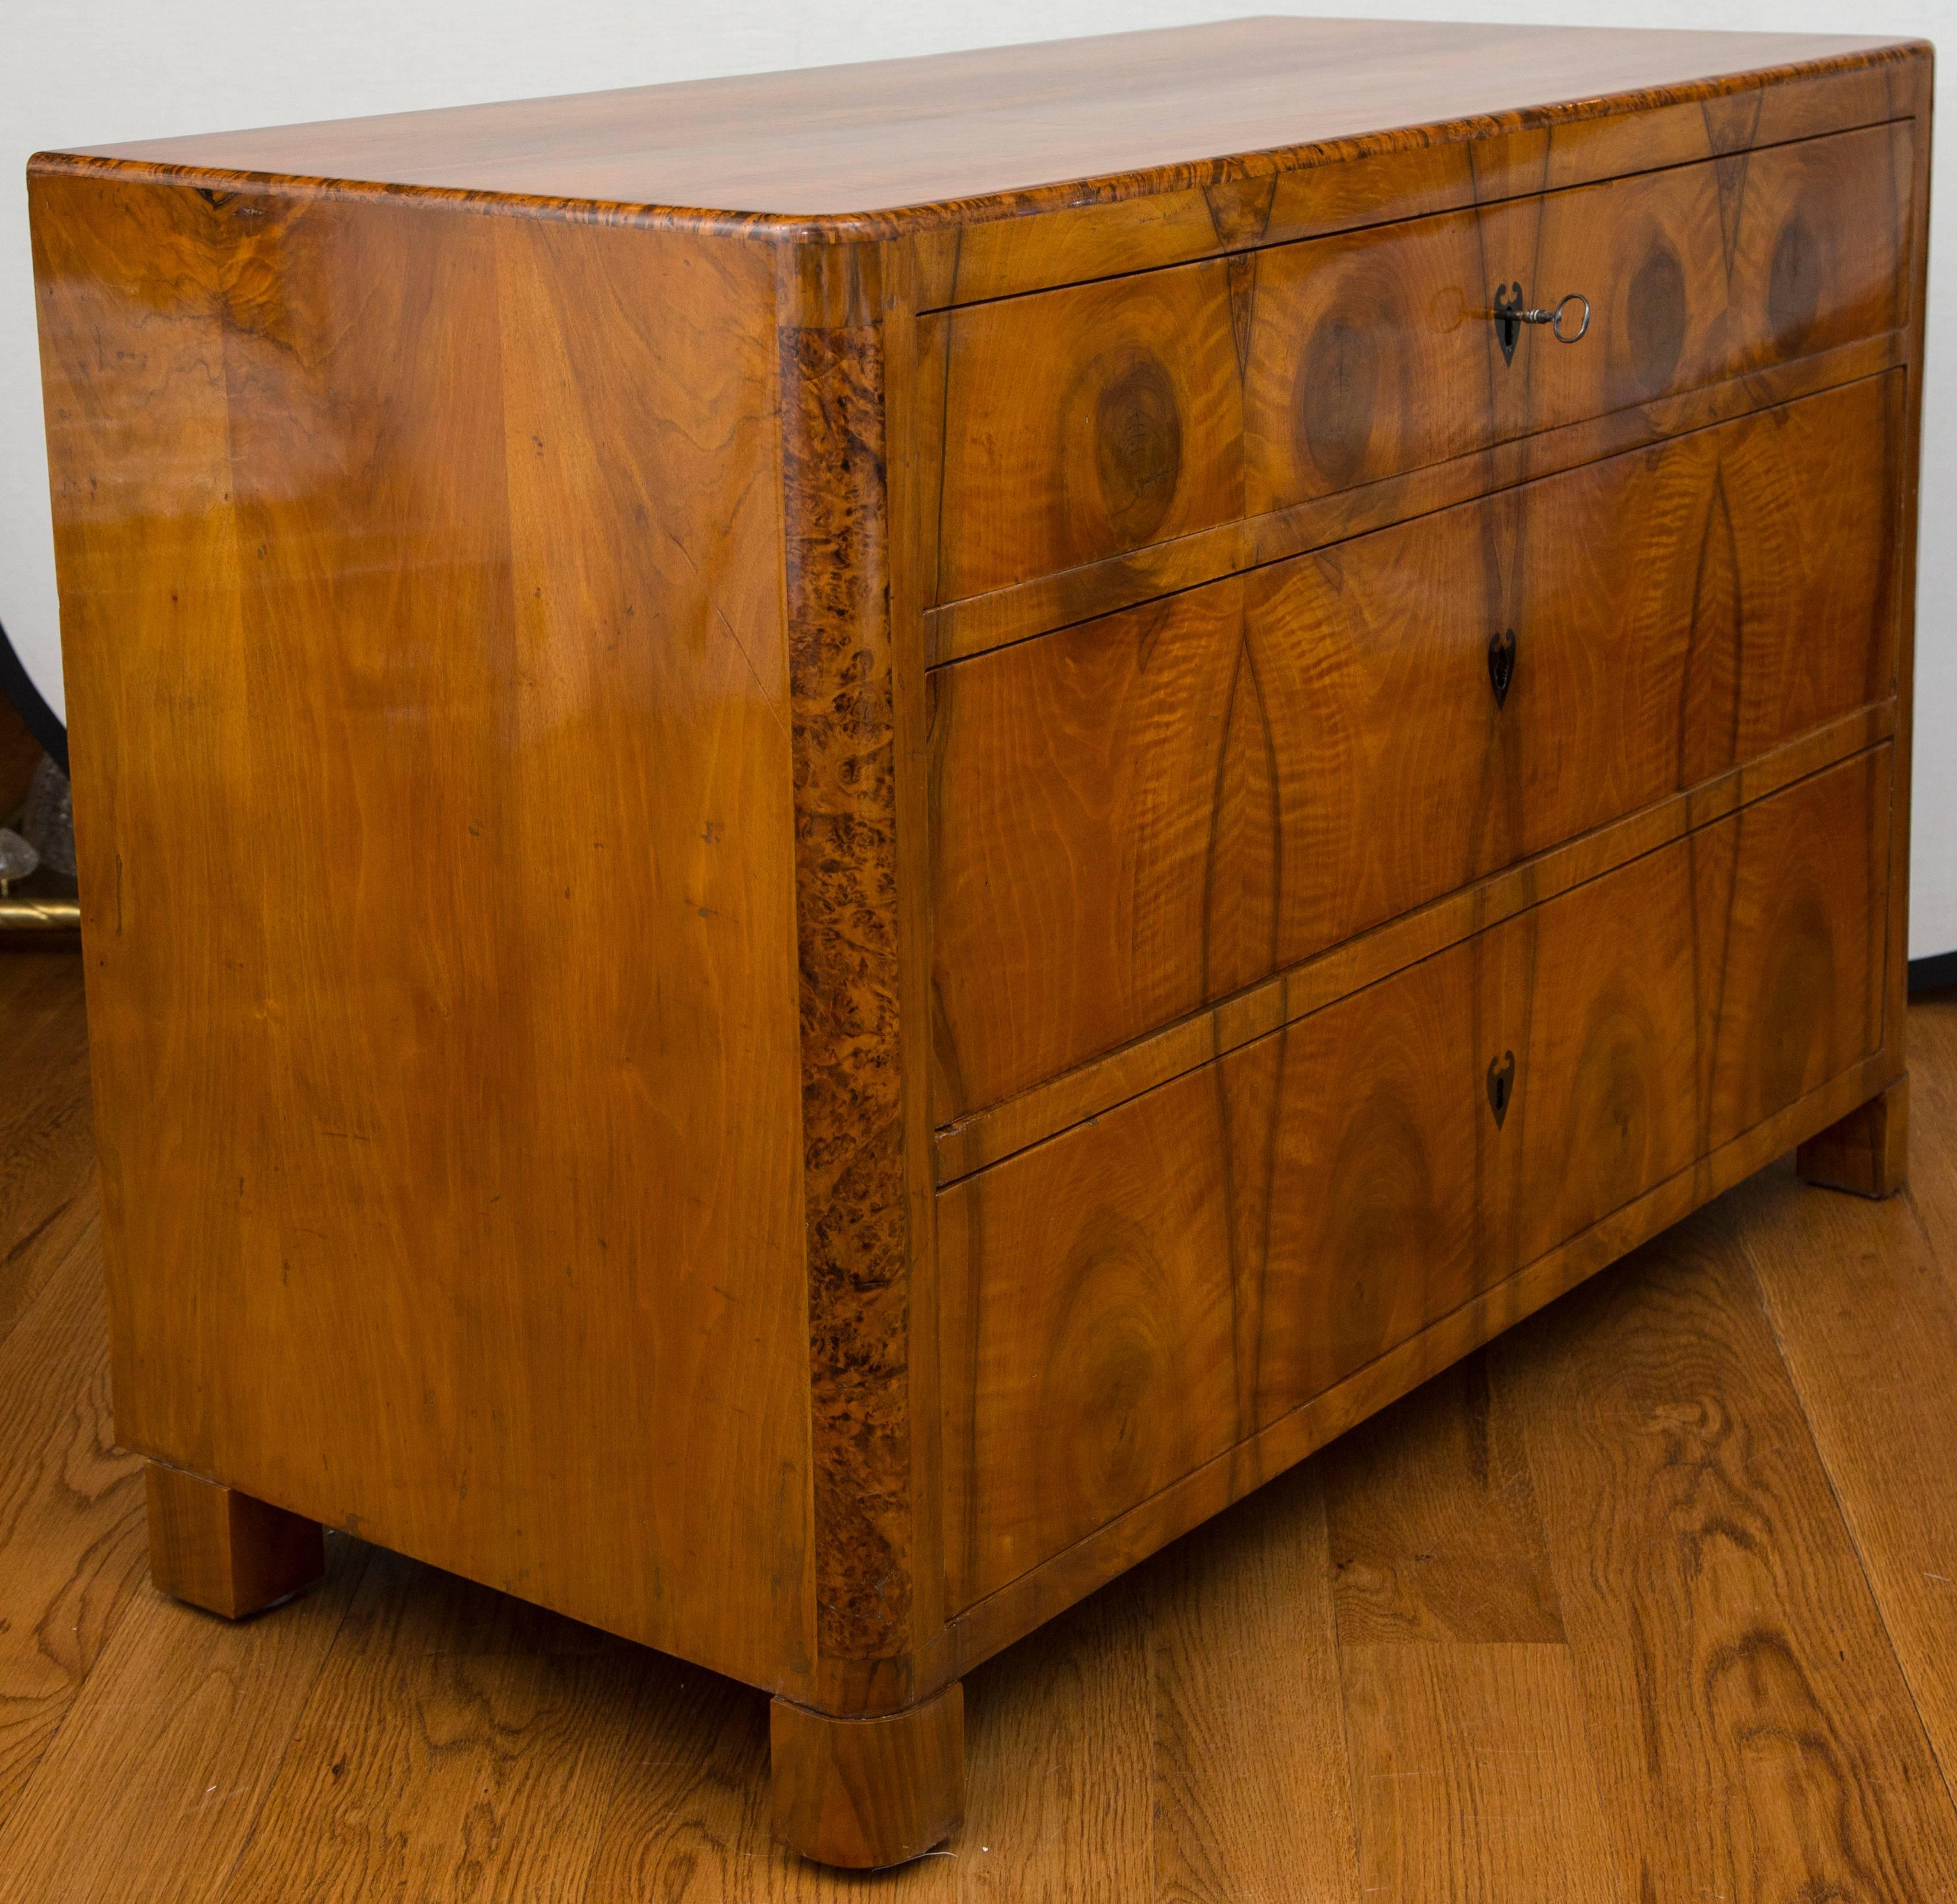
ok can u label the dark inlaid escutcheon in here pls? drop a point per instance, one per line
(1501, 663)
(1501, 1086)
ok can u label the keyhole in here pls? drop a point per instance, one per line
(1501, 1086)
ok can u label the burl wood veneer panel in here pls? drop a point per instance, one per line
(431, 703)
(1142, 814)
(1084, 423)
(844, 340)
(1141, 1294)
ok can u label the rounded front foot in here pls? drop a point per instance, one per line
(865, 1792)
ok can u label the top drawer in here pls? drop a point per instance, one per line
(1083, 423)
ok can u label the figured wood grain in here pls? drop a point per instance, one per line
(521, 594)
(957, 629)
(1080, 424)
(1038, 249)
(1025, 128)
(1138, 816)
(391, 726)
(1128, 1302)
(1870, 1353)
(1102, 1083)
(1016, 1608)
(1752, 1731)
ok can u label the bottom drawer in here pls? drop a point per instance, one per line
(1136, 1295)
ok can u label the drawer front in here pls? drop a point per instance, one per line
(1140, 815)
(1140, 1294)
(1087, 422)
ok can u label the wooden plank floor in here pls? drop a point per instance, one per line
(1654, 1600)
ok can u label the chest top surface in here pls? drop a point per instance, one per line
(942, 137)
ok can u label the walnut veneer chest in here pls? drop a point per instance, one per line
(847, 837)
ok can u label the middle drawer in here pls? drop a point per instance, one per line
(1136, 817)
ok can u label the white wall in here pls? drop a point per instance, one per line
(88, 71)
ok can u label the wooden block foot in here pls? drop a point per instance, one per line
(1867, 1151)
(224, 1551)
(865, 1792)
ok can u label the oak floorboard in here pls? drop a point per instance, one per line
(1060, 1795)
(1435, 1533)
(1473, 1779)
(153, 1785)
(47, 1148)
(1245, 1658)
(1872, 1348)
(1931, 1047)
(1753, 1735)
(74, 1547)
(424, 1770)
(689, 1819)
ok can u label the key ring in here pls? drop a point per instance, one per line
(1509, 316)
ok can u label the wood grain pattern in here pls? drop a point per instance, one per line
(1129, 1301)
(1100, 1085)
(843, 695)
(220, 1550)
(866, 1792)
(981, 622)
(394, 1111)
(1224, 1612)
(1016, 1608)
(1434, 1536)
(1908, 477)
(1471, 1776)
(47, 1165)
(1870, 1353)
(961, 136)
(1185, 1707)
(447, 1777)
(1137, 816)
(1038, 249)
(70, 1510)
(513, 553)
(159, 1775)
(1868, 1152)
(1082, 423)
(1790, 1757)
(1079, 1707)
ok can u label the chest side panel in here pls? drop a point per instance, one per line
(436, 835)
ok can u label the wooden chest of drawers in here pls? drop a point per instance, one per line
(846, 838)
